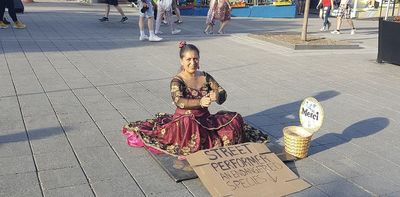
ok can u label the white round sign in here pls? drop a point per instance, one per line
(311, 114)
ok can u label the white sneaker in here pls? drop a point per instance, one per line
(176, 31)
(353, 31)
(158, 32)
(144, 37)
(322, 28)
(154, 38)
(335, 32)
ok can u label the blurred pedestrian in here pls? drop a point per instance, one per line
(219, 10)
(325, 6)
(164, 8)
(146, 10)
(9, 4)
(175, 4)
(344, 12)
(119, 9)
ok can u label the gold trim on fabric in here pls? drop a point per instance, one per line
(171, 149)
(216, 143)
(185, 150)
(226, 141)
(174, 88)
(192, 142)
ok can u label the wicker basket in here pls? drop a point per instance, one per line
(297, 141)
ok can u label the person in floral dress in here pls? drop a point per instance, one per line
(218, 10)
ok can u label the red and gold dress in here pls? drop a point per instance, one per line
(191, 127)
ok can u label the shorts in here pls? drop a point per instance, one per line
(344, 11)
(112, 2)
(149, 13)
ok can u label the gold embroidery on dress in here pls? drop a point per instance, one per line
(226, 141)
(174, 88)
(176, 99)
(171, 149)
(194, 93)
(162, 131)
(181, 105)
(216, 143)
(145, 139)
(178, 94)
(136, 129)
(185, 150)
(192, 142)
(188, 111)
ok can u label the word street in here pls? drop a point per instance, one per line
(240, 167)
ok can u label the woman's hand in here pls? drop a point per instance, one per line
(205, 101)
(213, 96)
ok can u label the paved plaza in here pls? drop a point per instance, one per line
(68, 83)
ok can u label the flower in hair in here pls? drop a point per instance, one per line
(182, 44)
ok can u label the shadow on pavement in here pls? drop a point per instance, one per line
(273, 120)
(359, 129)
(34, 134)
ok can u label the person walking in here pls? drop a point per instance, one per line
(210, 20)
(326, 6)
(164, 8)
(221, 10)
(9, 4)
(119, 9)
(175, 8)
(223, 14)
(146, 10)
(300, 6)
(344, 12)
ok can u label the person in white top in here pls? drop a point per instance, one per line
(164, 8)
(344, 12)
(146, 11)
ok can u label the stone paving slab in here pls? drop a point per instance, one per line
(68, 83)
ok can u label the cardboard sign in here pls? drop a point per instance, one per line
(248, 169)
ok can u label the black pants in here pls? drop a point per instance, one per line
(11, 10)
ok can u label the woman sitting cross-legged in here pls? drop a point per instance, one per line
(191, 128)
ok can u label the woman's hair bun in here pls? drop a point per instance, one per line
(182, 44)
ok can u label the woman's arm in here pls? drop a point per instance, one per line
(319, 2)
(215, 87)
(176, 88)
(229, 5)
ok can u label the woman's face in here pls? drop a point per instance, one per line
(190, 61)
